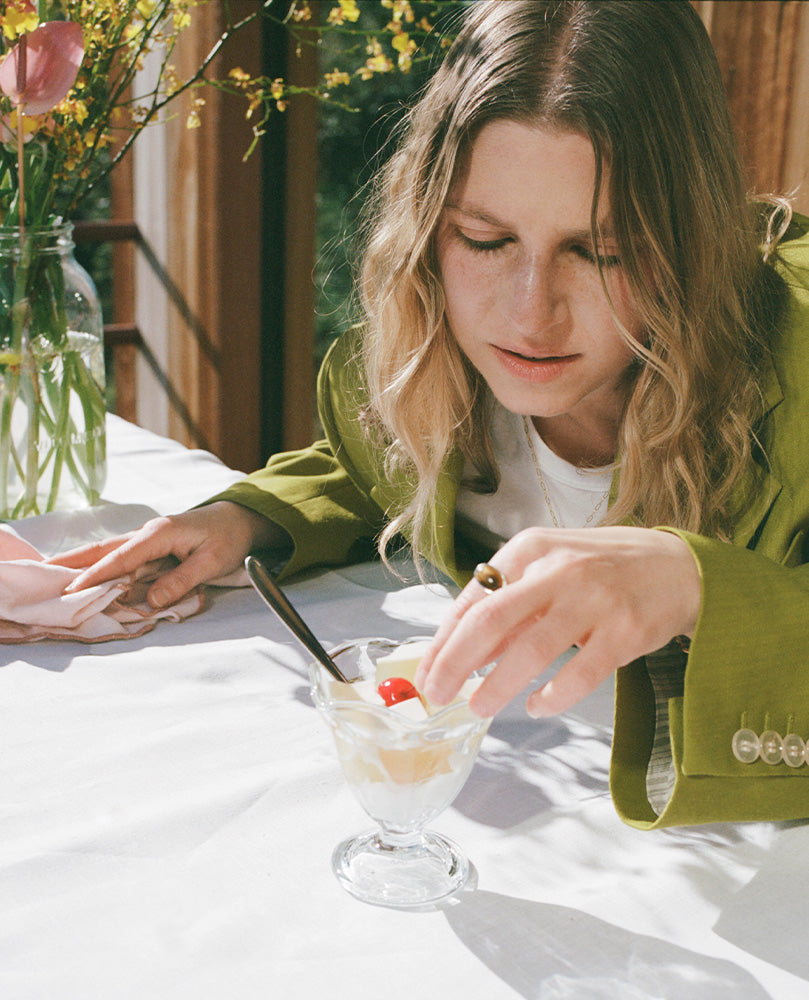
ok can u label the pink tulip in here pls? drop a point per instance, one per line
(48, 68)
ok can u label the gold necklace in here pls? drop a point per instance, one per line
(556, 522)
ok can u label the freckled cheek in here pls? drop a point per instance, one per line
(625, 307)
(469, 289)
(453, 284)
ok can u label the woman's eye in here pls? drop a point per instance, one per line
(483, 246)
(604, 259)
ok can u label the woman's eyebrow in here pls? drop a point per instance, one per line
(605, 230)
(480, 214)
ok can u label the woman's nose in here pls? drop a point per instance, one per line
(536, 300)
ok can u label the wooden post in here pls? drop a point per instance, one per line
(300, 221)
(124, 368)
(213, 251)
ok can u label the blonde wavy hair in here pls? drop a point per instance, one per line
(639, 78)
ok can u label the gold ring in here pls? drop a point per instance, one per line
(488, 577)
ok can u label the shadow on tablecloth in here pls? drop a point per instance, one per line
(549, 952)
(768, 915)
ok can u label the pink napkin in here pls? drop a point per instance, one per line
(33, 604)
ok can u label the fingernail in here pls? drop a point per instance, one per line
(434, 693)
(158, 598)
(483, 709)
(535, 709)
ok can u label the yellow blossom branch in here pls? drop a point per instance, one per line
(121, 34)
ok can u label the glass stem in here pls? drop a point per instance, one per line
(397, 840)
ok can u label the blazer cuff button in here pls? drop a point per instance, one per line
(772, 747)
(794, 751)
(746, 746)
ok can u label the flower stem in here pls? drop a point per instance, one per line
(22, 74)
(10, 382)
(30, 382)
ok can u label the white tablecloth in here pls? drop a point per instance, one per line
(169, 804)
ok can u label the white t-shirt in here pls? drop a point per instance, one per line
(578, 497)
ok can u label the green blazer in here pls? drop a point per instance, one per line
(748, 665)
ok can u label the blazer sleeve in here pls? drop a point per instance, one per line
(747, 669)
(321, 495)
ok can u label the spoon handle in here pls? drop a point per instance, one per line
(266, 586)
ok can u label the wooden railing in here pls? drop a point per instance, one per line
(124, 341)
(107, 231)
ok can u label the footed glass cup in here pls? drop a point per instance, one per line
(404, 773)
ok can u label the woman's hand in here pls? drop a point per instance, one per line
(207, 542)
(615, 593)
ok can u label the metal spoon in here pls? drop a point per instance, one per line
(262, 580)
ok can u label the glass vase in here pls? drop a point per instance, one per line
(52, 404)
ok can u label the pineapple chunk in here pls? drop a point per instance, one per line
(402, 662)
(411, 709)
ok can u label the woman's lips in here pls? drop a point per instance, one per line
(534, 369)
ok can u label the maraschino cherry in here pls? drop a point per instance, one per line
(395, 689)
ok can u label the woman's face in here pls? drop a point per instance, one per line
(523, 295)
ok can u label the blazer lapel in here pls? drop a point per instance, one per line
(438, 536)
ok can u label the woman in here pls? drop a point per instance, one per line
(572, 318)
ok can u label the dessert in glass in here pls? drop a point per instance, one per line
(405, 760)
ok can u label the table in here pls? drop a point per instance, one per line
(169, 804)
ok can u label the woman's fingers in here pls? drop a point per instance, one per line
(484, 625)
(175, 583)
(124, 556)
(533, 648)
(615, 593)
(85, 555)
(524, 631)
(452, 670)
(205, 543)
(579, 677)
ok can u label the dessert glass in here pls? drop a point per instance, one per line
(403, 772)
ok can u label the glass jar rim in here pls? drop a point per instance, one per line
(50, 238)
